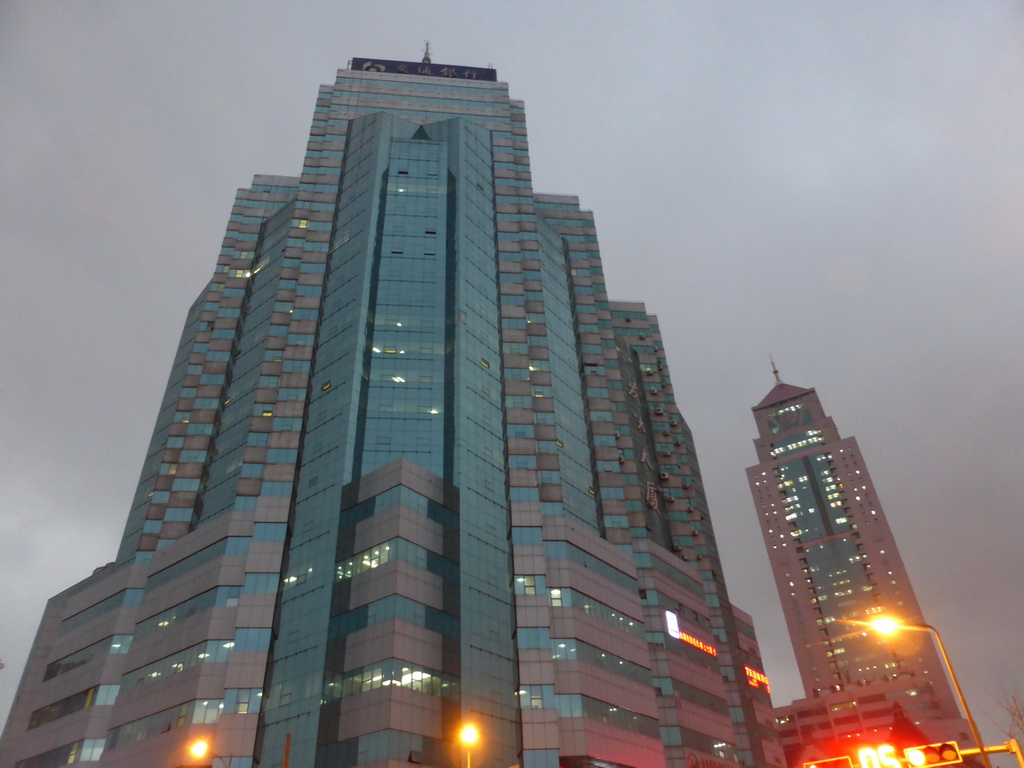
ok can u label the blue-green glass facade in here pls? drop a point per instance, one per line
(413, 469)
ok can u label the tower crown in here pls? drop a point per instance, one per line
(780, 393)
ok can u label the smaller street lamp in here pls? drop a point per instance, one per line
(469, 735)
(201, 748)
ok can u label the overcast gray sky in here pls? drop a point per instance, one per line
(837, 184)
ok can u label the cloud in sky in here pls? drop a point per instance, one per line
(839, 185)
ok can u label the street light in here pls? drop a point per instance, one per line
(469, 735)
(201, 748)
(890, 626)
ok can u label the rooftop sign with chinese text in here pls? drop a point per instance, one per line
(425, 69)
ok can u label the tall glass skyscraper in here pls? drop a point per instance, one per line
(837, 567)
(413, 469)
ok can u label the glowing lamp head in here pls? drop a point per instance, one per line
(885, 625)
(199, 749)
(469, 735)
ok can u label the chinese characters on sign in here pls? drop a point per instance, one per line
(425, 69)
(672, 628)
(652, 497)
(757, 679)
(645, 458)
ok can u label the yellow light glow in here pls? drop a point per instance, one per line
(885, 625)
(469, 735)
(199, 749)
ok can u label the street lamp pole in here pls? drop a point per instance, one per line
(959, 694)
(889, 626)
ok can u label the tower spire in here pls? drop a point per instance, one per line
(426, 52)
(775, 370)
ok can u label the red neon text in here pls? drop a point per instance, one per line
(696, 643)
(756, 679)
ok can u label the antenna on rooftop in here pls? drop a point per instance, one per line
(775, 370)
(426, 52)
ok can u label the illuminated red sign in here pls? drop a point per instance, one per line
(883, 756)
(698, 643)
(757, 679)
(832, 762)
(672, 627)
